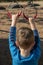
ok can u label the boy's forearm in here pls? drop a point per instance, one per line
(13, 21)
(33, 27)
(32, 24)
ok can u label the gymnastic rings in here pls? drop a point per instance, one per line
(30, 12)
(9, 14)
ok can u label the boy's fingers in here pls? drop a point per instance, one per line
(31, 19)
(35, 16)
(19, 14)
(9, 15)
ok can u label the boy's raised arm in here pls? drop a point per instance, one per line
(12, 35)
(36, 36)
(33, 26)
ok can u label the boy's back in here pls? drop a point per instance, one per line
(15, 53)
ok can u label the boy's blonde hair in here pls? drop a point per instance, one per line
(25, 37)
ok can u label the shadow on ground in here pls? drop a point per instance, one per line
(4, 31)
(2, 8)
(15, 6)
(39, 20)
(5, 58)
(41, 59)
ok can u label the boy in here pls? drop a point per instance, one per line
(28, 42)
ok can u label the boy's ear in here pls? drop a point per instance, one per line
(17, 43)
(33, 44)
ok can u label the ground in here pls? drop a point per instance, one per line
(5, 22)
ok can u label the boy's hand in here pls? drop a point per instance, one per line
(31, 20)
(14, 18)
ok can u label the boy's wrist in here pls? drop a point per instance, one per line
(31, 20)
(13, 23)
(33, 26)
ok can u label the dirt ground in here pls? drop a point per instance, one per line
(5, 22)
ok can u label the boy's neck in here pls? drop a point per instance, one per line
(25, 53)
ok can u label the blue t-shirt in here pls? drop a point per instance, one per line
(17, 59)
